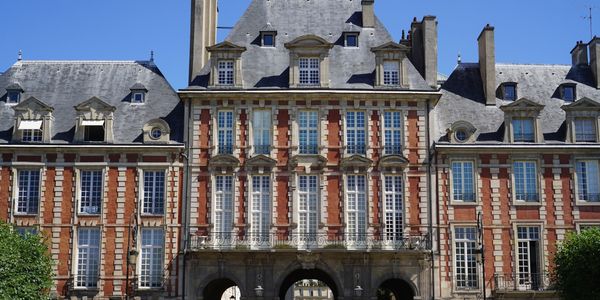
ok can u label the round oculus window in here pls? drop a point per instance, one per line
(155, 133)
(461, 135)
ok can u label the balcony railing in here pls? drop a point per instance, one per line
(309, 149)
(527, 197)
(392, 149)
(522, 282)
(303, 241)
(262, 149)
(225, 149)
(357, 149)
(589, 197)
(465, 197)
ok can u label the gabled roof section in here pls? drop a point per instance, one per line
(96, 104)
(309, 41)
(226, 46)
(32, 103)
(138, 86)
(584, 103)
(522, 104)
(15, 86)
(261, 161)
(390, 46)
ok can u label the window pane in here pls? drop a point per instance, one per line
(393, 208)
(225, 132)
(88, 257)
(523, 130)
(308, 130)
(463, 181)
(392, 123)
(261, 128)
(225, 68)
(391, 73)
(356, 132)
(91, 185)
(588, 181)
(28, 191)
(309, 71)
(525, 177)
(154, 192)
(151, 264)
(465, 243)
(356, 207)
(585, 130)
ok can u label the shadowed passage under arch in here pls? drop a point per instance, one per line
(302, 274)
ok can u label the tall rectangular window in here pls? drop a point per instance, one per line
(393, 208)
(223, 208)
(28, 197)
(356, 207)
(463, 181)
(225, 68)
(356, 132)
(528, 257)
(88, 257)
(465, 243)
(91, 185)
(152, 253)
(308, 132)
(260, 222)
(308, 199)
(225, 131)
(585, 130)
(525, 177)
(309, 71)
(32, 135)
(261, 130)
(154, 192)
(392, 132)
(588, 181)
(523, 130)
(391, 72)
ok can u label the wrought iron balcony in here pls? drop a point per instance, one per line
(225, 149)
(360, 149)
(309, 149)
(522, 282)
(262, 149)
(589, 197)
(392, 149)
(229, 241)
(528, 197)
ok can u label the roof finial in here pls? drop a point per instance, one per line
(459, 58)
(403, 34)
(152, 55)
(20, 57)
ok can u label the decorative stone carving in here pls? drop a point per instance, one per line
(308, 260)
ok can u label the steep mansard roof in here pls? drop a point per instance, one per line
(268, 68)
(63, 85)
(463, 98)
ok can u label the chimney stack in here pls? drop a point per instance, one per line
(368, 13)
(595, 60)
(424, 51)
(487, 63)
(579, 54)
(203, 33)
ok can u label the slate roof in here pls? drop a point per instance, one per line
(463, 98)
(65, 84)
(268, 67)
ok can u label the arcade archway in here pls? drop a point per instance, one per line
(395, 289)
(315, 277)
(221, 289)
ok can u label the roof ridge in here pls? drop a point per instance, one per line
(533, 65)
(99, 62)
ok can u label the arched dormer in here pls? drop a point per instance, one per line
(156, 131)
(309, 61)
(461, 132)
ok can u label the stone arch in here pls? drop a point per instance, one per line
(217, 284)
(402, 288)
(319, 271)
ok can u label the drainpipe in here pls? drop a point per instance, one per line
(186, 191)
(429, 201)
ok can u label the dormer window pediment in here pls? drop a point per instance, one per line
(94, 121)
(33, 121)
(390, 70)
(582, 117)
(522, 121)
(226, 65)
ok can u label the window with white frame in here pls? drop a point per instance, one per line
(260, 213)
(28, 196)
(391, 72)
(88, 257)
(525, 178)
(585, 130)
(225, 69)
(356, 132)
(528, 257)
(32, 135)
(308, 201)
(393, 209)
(223, 208)
(588, 181)
(91, 185)
(463, 181)
(465, 260)
(154, 193)
(356, 207)
(225, 131)
(392, 132)
(152, 255)
(261, 131)
(523, 130)
(26, 230)
(308, 132)
(309, 70)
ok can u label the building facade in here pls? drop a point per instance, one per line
(90, 157)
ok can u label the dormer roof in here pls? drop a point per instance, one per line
(226, 46)
(584, 103)
(33, 103)
(96, 104)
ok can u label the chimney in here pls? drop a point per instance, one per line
(579, 54)
(595, 60)
(424, 51)
(368, 13)
(203, 33)
(487, 63)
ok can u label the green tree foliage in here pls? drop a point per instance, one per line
(577, 266)
(25, 265)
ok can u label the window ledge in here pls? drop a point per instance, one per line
(82, 214)
(149, 215)
(524, 203)
(463, 203)
(26, 214)
(467, 291)
(586, 203)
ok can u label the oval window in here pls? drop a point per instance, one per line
(155, 133)
(461, 135)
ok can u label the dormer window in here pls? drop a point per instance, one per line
(13, 93)
(268, 39)
(523, 130)
(93, 131)
(94, 121)
(309, 70)
(351, 39)
(156, 131)
(31, 130)
(33, 121)
(568, 92)
(226, 72)
(509, 91)
(521, 119)
(585, 130)
(138, 93)
(391, 72)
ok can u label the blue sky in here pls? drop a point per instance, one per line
(527, 31)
